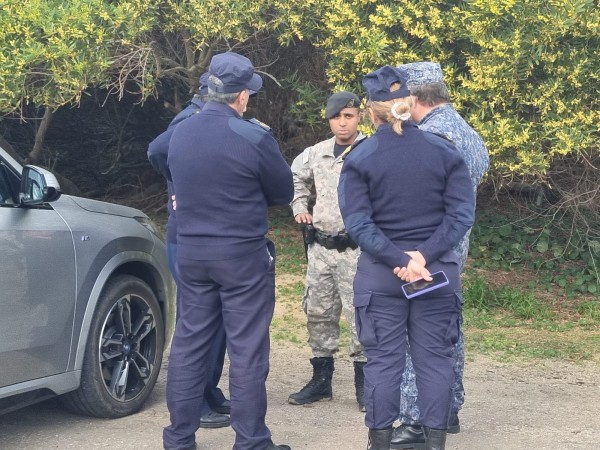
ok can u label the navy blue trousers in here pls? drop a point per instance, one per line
(384, 319)
(213, 395)
(239, 295)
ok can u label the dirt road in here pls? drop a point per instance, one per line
(510, 407)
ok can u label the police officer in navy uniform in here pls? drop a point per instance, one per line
(226, 173)
(406, 199)
(216, 407)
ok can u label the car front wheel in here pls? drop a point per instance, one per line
(123, 352)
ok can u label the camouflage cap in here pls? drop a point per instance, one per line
(339, 101)
(424, 72)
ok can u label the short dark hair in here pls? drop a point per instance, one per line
(431, 94)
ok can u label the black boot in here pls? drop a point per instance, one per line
(408, 436)
(435, 439)
(453, 424)
(359, 384)
(319, 387)
(379, 439)
(214, 420)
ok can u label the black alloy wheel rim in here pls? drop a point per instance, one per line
(127, 348)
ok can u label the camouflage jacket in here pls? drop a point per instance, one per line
(316, 167)
(445, 121)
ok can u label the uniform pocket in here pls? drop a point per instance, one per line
(453, 331)
(365, 329)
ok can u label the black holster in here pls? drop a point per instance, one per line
(308, 234)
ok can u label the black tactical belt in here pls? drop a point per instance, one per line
(339, 242)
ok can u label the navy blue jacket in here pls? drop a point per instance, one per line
(226, 172)
(405, 192)
(158, 151)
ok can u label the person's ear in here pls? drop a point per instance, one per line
(242, 100)
(414, 100)
(371, 114)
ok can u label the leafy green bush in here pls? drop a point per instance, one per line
(52, 50)
(561, 262)
(523, 73)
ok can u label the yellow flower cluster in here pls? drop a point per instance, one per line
(525, 74)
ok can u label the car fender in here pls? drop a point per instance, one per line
(164, 291)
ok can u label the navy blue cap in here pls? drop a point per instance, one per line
(231, 72)
(203, 88)
(378, 83)
(423, 72)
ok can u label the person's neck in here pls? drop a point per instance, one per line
(419, 113)
(239, 109)
(347, 141)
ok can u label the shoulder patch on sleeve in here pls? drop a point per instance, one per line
(301, 160)
(259, 123)
(249, 130)
(306, 155)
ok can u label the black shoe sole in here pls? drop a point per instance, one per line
(211, 425)
(454, 429)
(419, 446)
(293, 401)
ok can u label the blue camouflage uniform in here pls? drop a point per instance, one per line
(445, 121)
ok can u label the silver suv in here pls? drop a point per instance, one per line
(86, 298)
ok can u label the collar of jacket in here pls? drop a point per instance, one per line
(435, 111)
(220, 107)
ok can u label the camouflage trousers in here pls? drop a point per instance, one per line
(409, 410)
(328, 292)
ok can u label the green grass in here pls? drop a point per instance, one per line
(519, 322)
(507, 313)
(289, 322)
(523, 343)
(287, 236)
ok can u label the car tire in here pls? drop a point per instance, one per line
(123, 353)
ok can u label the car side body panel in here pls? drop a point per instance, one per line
(48, 297)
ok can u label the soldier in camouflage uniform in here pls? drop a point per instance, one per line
(433, 112)
(331, 254)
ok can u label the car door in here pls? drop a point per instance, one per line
(37, 286)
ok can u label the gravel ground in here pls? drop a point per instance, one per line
(548, 405)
